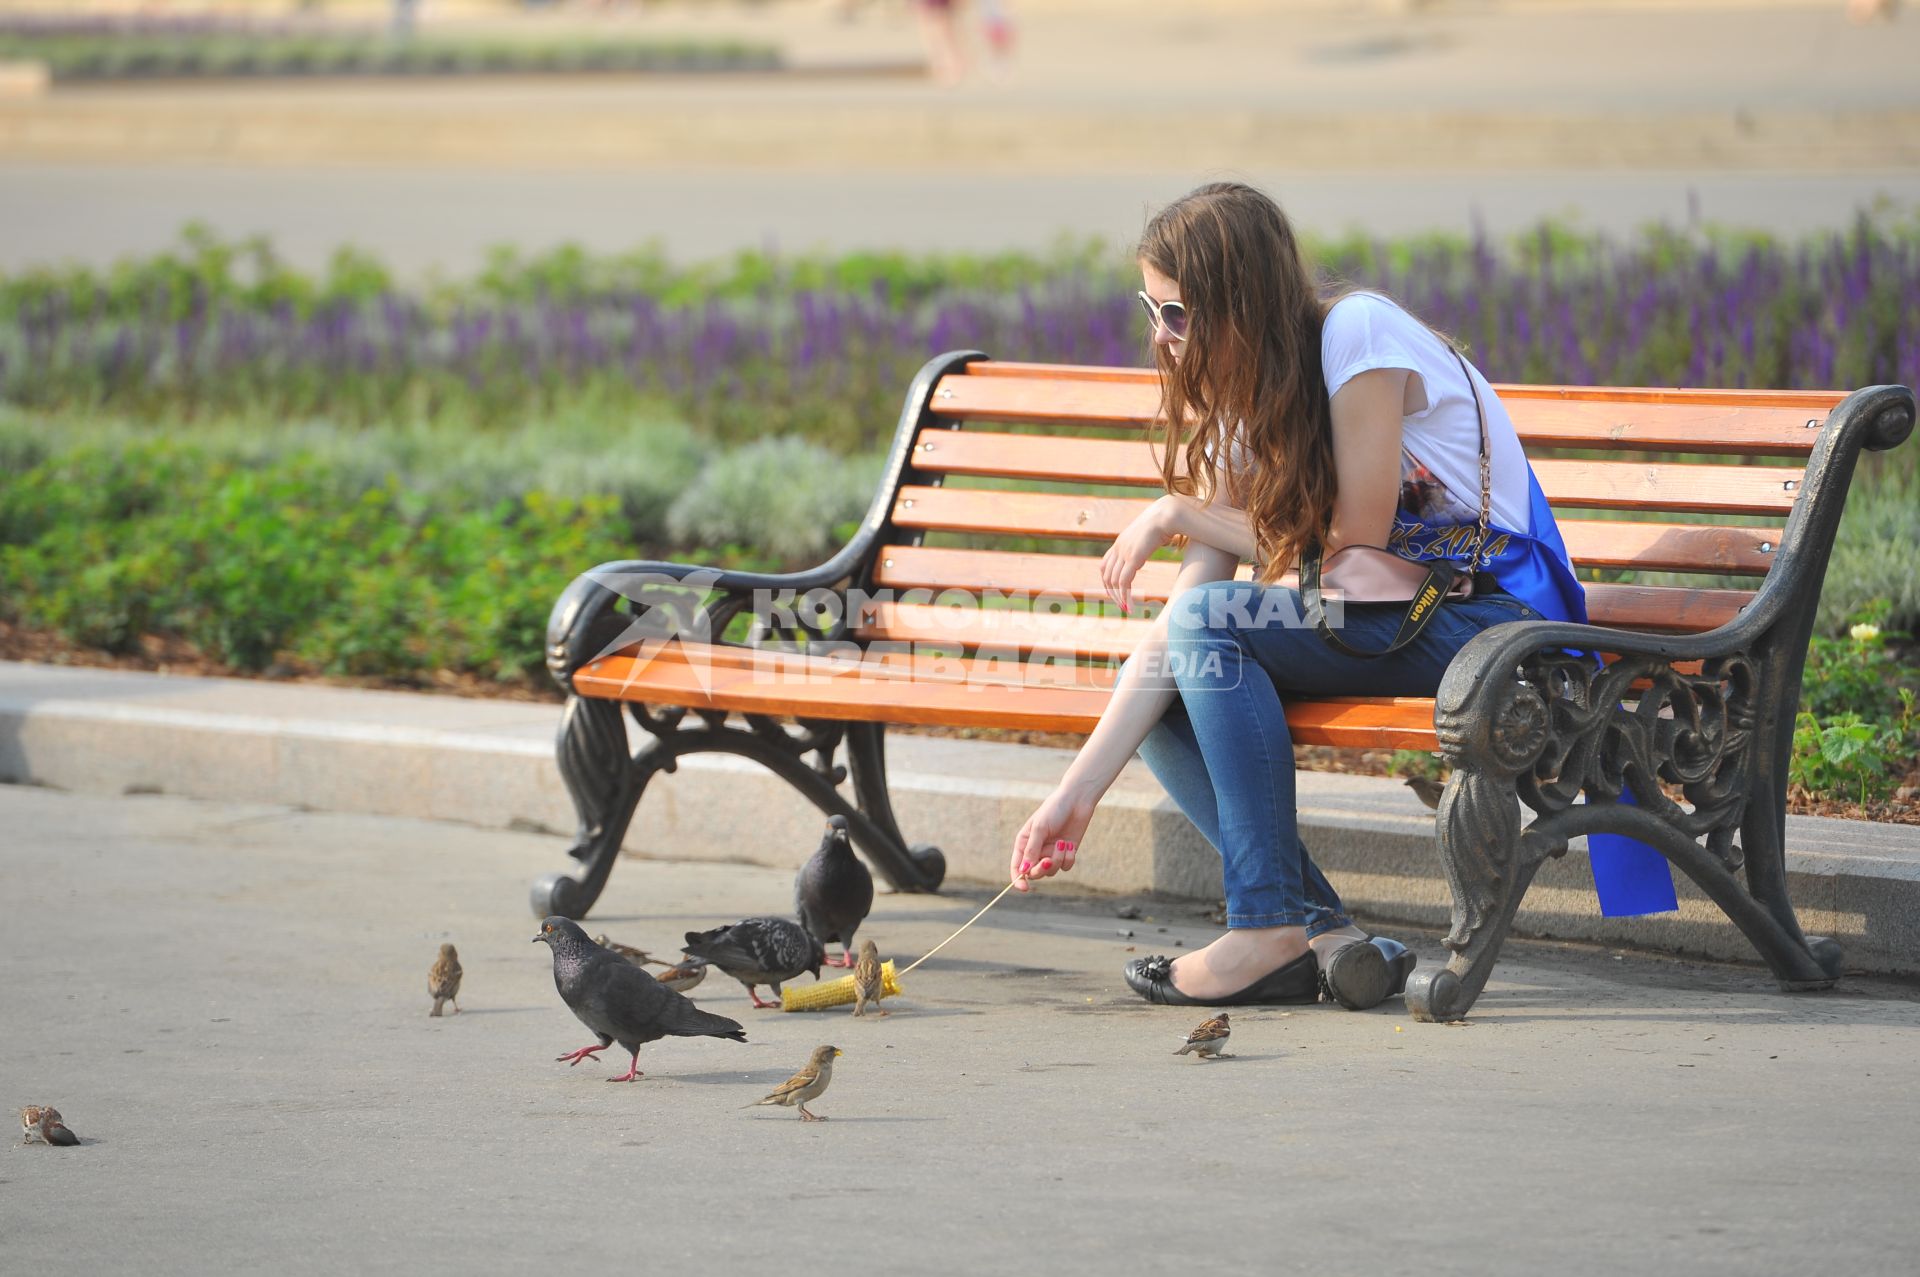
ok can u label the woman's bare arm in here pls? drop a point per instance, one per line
(1140, 698)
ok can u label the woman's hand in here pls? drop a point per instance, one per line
(1050, 840)
(1150, 530)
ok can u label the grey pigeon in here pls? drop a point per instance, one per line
(759, 951)
(620, 1002)
(833, 892)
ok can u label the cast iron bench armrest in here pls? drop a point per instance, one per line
(583, 624)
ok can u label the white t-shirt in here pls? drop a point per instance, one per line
(1440, 441)
(1440, 458)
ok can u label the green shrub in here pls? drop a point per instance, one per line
(256, 563)
(784, 497)
(1873, 557)
(1855, 737)
(1859, 674)
(1847, 757)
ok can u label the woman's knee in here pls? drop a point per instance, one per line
(1215, 609)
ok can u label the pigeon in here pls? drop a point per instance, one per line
(42, 1122)
(1209, 1040)
(833, 891)
(620, 1002)
(867, 980)
(759, 951)
(638, 957)
(684, 976)
(443, 980)
(805, 1085)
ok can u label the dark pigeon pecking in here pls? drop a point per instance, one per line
(833, 892)
(759, 951)
(620, 1002)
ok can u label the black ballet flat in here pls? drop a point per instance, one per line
(1400, 960)
(1295, 983)
(1358, 976)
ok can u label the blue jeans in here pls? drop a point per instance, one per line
(1223, 750)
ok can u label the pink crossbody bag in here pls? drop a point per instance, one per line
(1373, 574)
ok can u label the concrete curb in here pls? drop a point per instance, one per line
(490, 764)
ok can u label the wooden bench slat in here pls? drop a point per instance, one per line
(1758, 423)
(898, 663)
(1796, 399)
(1595, 484)
(1646, 546)
(1099, 518)
(1660, 486)
(1107, 638)
(752, 686)
(1630, 607)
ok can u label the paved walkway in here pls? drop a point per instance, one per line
(228, 1003)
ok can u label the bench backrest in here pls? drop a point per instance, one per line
(1015, 467)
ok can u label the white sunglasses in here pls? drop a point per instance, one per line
(1172, 316)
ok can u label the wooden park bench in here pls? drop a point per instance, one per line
(1010, 480)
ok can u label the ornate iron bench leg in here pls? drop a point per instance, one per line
(1595, 750)
(1798, 961)
(916, 867)
(605, 782)
(1490, 862)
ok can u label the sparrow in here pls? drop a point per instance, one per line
(42, 1122)
(1428, 788)
(833, 891)
(684, 976)
(443, 980)
(620, 1002)
(758, 951)
(638, 957)
(1210, 1039)
(867, 979)
(805, 1085)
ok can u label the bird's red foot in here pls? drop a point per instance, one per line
(773, 1005)
(584, 1053)
(844, 960)
(630, 1076)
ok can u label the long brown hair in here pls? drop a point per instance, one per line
(1252, 357)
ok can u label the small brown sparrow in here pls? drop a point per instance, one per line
(443, 980)
(1210, 1039)
(684, 976)
(638, 957)
(867, 981)
(42, 1122)
(805, 1085)
(1427, 788)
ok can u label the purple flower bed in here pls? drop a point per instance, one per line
(830, 359)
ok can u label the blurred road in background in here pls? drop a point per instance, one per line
(449, 218)
(1780, 116)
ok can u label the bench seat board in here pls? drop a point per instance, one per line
(740, 680)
